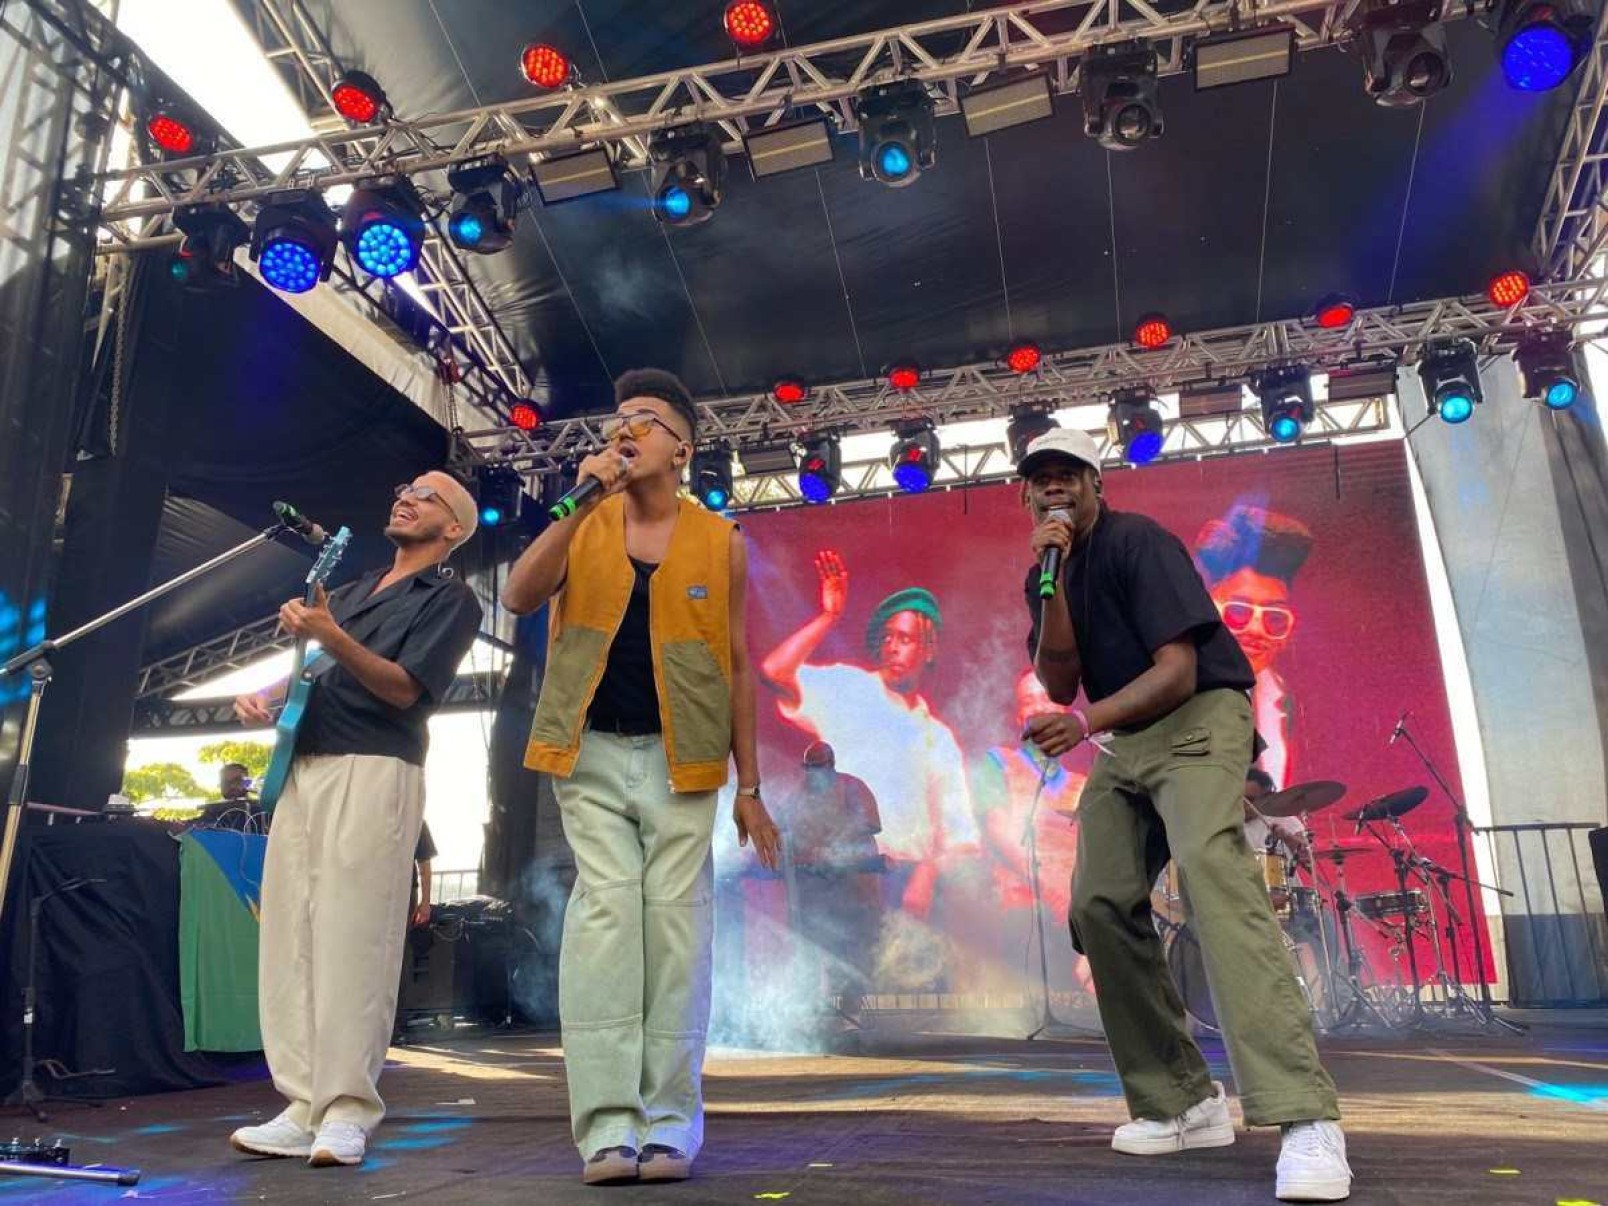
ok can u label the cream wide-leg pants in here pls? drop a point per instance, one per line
(335, 888)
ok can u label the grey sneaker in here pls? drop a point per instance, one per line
(1312, 1163)
(338, 1143)
(1204, 1124)
(611, 1166)
(276, 1137)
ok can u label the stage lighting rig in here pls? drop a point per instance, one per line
(1135, 423)
(914, 458)
(711, 476)
(1450, 373)
(206, 257)
(1403, 48)
(820, 467)
(1286, 398)
(898, 136)
(294, 239)
(383, 227)
(1026, 425)
(174, 130)
(1541, 42)
(688, 174)
(1121, 101)
(499, 493)
(1548, 368)
(489, 200)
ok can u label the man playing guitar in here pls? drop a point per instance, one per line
(340, 855)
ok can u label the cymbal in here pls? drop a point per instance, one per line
(1303, 797)
(1396, 804)
(1341, 851)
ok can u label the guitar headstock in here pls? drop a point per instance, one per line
(329, 557)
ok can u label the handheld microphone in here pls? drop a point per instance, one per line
(300, 524)
(1401, 727)
(571, 502)
(1050, 559)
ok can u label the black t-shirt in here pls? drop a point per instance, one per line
(425, 623)
(425, 849)
(627, 699)
(1131, 589)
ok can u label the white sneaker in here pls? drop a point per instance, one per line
(1205, 1124)
(278, 1137)
(1312, 1163)
(338, 1143)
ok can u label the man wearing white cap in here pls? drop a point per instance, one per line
(1128, 620)
(340, 858)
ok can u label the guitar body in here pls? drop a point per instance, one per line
(301, 685)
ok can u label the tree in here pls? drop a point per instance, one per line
(161, 781)
(253, 755)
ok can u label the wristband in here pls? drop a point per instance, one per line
(1083, 722)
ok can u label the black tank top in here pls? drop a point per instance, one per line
(627, 699)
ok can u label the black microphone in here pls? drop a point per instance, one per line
(1050, 559)
(571, 502)
(1401, 727)
(300, 524)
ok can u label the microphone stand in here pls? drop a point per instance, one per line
(36, 661)
(1484, 1010)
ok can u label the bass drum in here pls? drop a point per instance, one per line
(1188, 970)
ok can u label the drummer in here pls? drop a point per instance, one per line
(1263, 833)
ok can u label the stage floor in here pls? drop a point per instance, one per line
(929, 1119)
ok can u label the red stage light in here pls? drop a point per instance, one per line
(789, 391)
(1335, 313)
(525, 416)
(749, 23)
(904, 377)
(357, 97)
(544, 65)
(1153, 331)
(1024, 358)
(171, 134)
(1508, 288)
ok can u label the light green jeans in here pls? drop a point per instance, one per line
(634, 971)
(1173, 789)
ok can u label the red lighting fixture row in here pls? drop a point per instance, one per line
(1023, 358)
(1153, 331)
(904, 377)
(1508, 289)
(545, 66)
(1335, 312)
(170, 134)
(525, 416)
(358, 97)
(749, 23)
(790, 391)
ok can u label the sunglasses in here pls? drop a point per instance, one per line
(636, 425)
(1276, 622)
(422, 493)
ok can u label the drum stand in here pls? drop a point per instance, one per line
(1046, 1015)
(1402, 860)
(1360, 1012)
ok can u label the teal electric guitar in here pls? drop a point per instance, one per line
(301, 683)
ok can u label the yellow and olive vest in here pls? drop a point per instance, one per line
(689, 622)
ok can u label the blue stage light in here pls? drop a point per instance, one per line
(385, 250)
(893, 161)
(466, 229)
(1285, 429)
(1561, 395)
(677, 202)
(1144, 447)
(1456, 406)
(288, 265)
(491, 516)
(1538, 58)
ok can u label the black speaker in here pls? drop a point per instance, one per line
(458, 964)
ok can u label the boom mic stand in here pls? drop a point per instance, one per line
(1483, 1009)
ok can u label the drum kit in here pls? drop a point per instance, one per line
(1322, 920)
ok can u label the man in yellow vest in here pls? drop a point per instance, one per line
(647, 696)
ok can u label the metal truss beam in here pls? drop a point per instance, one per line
(742, 94)
(154, 716)
(1572, 231)
(231, 651)
(1382, 336)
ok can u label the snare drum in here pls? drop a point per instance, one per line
(1383, 906)
(1276, 875)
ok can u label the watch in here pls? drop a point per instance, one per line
(749, 791)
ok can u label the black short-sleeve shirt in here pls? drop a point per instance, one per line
(1131, 589)
(425, 623)
(627, 697)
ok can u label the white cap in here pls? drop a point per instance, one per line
(1059, 441)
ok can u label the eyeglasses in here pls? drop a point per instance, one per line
(636, 425)
(1275, 622)
(422, 493)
